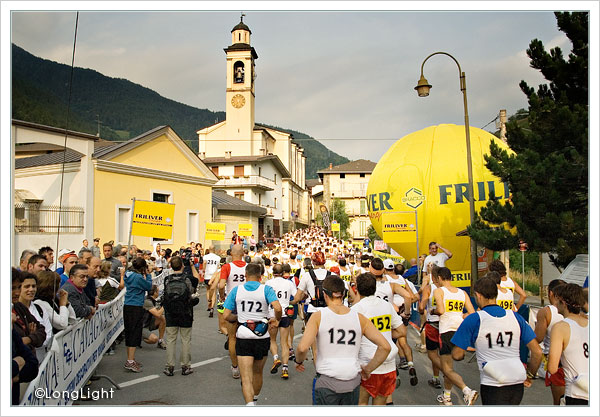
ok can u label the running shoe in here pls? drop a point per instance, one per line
(403, 364)
(292, 355)
(186, 370)
(442, 399)
(413, 376)
(421, 348)
(161, 345)
(435, 383)
(133, 366)
(284, 373)
(168, 371)
(235, 372)
(212, 313)
(276, 365)
(471, 397)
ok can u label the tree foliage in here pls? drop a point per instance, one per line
(337, 212)
(548, 174)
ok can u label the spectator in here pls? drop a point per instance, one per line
(84, 247)
(96, 249)
(28, 292)
(35, 264)
(78, 277)
(154, 318)
(32, 333)
(107, 249)
(48, 253)
(67, 258)
(137, 282)
(84, 255)
(412, 272)
(108, 286)
(179, 303)
(25, 255)
(54, 301)
(24, 363)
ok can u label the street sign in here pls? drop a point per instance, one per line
(523, 246)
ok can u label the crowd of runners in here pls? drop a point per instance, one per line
(353, 308)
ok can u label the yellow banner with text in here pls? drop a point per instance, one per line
(153, 219)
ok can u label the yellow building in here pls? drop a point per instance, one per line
(99, 182)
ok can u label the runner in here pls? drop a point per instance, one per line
(382, 381)
(497, 335)
(450, 302)
(232, 275)
(547, 317)
(285, 290)
(337, 330)
(569, 344)
(431, 328)
(210, 266)
(498, 266)
(251, 300)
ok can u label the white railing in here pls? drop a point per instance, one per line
(246, 181)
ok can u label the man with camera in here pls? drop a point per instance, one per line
(251, 301)
(178, 303)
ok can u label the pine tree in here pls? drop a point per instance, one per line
(548, 174)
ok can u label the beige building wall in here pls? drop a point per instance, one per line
(352, 190)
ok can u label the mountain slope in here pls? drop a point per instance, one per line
(125, 109)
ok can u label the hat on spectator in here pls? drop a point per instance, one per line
(65, 253)
(388, 264)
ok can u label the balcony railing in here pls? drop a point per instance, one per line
(254, 181)
(350, 194)
(45, 219)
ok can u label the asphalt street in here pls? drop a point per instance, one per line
(212, 384)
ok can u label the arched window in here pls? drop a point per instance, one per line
(238, 72)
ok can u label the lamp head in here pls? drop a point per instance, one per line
(423, 87)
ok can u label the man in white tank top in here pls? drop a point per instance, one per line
(211, 264)
(285, 290)
(337, 331)
(431, 329)
(570, 344)
(382, 381)
(248, 306)
(547, 317)
(497, 335)
(450, 302)
(232, 275)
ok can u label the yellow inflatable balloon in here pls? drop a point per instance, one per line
(425, 173)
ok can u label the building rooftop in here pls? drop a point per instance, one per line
(223, 201)
(360, 166)
(48, 159)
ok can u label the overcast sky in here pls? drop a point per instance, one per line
(333, 75)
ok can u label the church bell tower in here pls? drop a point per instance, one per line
(240, 89)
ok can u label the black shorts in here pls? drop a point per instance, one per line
(258, 348)
(445, 344)
(506, 395)
(133, 320)
(284, 322)
(575, 401)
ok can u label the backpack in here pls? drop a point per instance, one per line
(319, 298)
(176, 297)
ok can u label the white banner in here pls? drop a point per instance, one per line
(75, 353)
(159, 280)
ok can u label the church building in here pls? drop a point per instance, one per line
(253, 162)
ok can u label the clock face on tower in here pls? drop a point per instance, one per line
(238, 101)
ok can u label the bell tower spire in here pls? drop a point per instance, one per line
(240, 88)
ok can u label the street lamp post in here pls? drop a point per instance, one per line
(423, 88)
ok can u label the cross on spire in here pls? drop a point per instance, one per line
(242, 17)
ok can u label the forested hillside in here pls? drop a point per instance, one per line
(125, 109)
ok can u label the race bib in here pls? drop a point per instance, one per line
(505, 304)
(382, 323)
(454, 305)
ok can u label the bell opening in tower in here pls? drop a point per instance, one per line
(238, 70)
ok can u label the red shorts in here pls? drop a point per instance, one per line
(380, 384)
(432, 333)
(557, 379)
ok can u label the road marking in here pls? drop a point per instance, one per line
(138, 380)
(206, 362)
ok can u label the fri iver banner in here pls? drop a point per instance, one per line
(399, 227)
(215, 231)
(152, 219)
